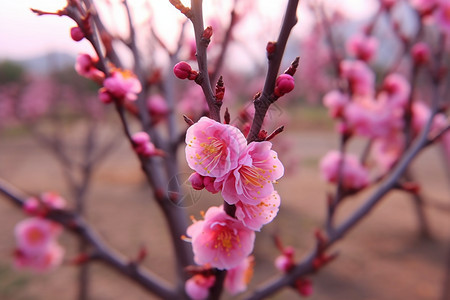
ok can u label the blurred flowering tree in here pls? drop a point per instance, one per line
(397, 107)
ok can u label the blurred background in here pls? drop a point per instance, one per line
(51, 121)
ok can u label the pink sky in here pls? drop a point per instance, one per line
(25, 35)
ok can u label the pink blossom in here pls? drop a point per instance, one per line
(354, 175)
(85, 66)
(213, 149)
(397, 89)
(442, 15)
(285, 262)
(53, 200)
(252, 181)
(335, 101)
(284, 84)
(122, 85)
(421, 113)
(49, 259)
(197, 287)
(386, 151)
(36, 99)
(360, 77)
(157, 107)
(370, 118)
(423, 6)
(388, 3)
(220, 240)
(363, 47)
(143, 145)
(34, 235)
(239, 277)
(31, 206)
(304, 287)
(420, 52)
(255, 216)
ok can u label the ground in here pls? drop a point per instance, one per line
(381, 259)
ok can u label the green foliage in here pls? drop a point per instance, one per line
(11, 72)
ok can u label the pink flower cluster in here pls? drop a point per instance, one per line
(86, 66)
(143, 145)
(236, 281)
(37, 248)
(121, 85)
(354, 176)
(245, 175)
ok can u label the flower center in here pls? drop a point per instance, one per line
(251, 176)
(35, 235)
(212, 152)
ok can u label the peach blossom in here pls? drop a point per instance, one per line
(239, 277)
(197, 287)
(354, 175)
(255, 216)
(213, 149)
(252, 181)
(220, 240)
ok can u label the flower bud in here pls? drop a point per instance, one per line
(270, 48)
(140, 138)
(196, 181)
(304, 287)
(104, 96)
(31, 206)
(207, 33)
(76, 33)
(284, 84)
(182, 70)
(420, 53)
(208, 182)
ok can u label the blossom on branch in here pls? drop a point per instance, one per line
(37, 248)
(354, 175)
(220, 240)
(360, 77)
(197, 287)
(121, 85)
(252, 181)
(213, 149)
(363, 47)
(238, 277)
(85, 66)
(255, 216)
(143, 145)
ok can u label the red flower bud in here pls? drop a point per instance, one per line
(270, 48)
(196, 181)
(304, 287)
(420, 53)
(284, 84)
(76, 33)
(182, 70)
(207, 33)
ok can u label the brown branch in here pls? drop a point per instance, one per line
(78, 226)
(263, 102)
(203, 76)
(391, 181)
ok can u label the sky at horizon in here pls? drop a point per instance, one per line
(25, 35)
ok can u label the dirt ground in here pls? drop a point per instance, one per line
(381, 259)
